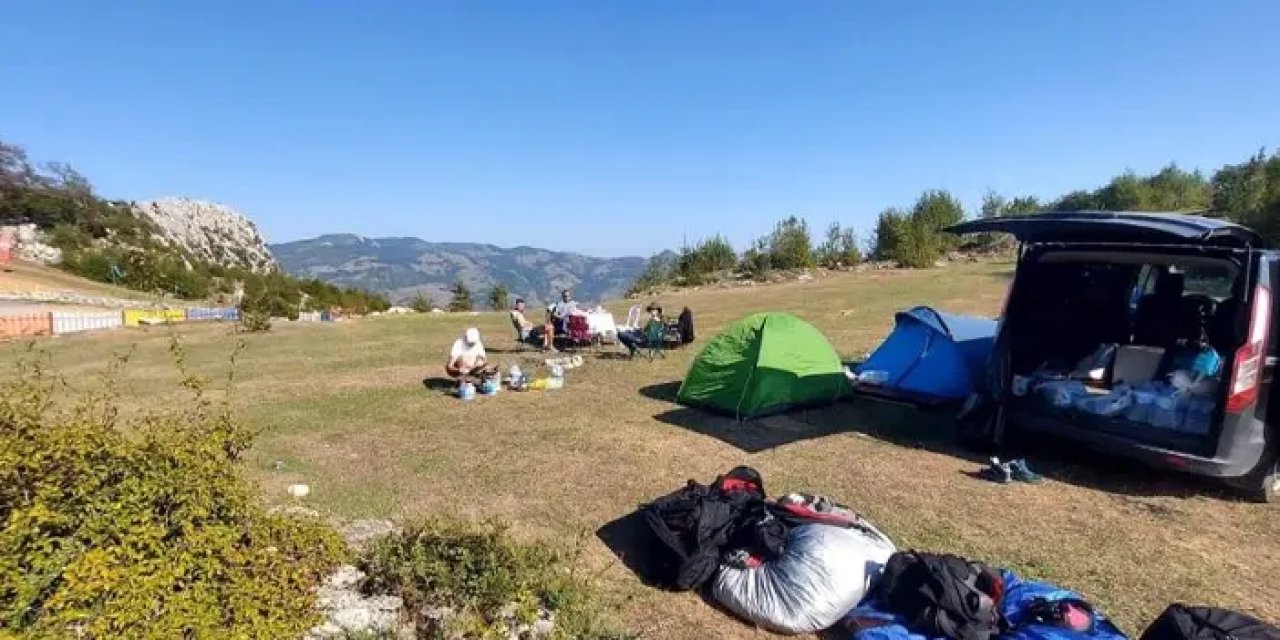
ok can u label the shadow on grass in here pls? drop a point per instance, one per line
(1072, 463)
(512, 349)
(664, 391)
(630, 540)
(900, 425)
(934, 430)
(443, 385)
(613, 355)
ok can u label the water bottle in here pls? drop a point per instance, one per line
(466, 391)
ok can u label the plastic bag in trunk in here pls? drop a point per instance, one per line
(822, 574)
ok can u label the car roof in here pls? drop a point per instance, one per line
(1117, 227)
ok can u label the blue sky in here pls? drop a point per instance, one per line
(622, 127)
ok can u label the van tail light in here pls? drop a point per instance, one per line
(1246, 377)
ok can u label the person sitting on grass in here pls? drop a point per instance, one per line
(467, 359)
(529, 332)
(635, 339)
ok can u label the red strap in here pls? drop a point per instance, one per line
(738, 484)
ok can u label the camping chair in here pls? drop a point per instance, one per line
(633, 318)
(578, 331)
(654, 337)
(521, 345)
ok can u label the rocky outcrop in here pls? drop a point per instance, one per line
(28, 243)
(211, 232)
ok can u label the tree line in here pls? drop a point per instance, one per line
(460, 299)
(103, 240)
(914, 237)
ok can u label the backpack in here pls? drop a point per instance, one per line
(685, 322)
(692, 525)
(941, 595)
(1185, 622)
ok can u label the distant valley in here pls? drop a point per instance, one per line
(403, 267)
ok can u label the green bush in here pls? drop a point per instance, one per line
(255, 321)
(481, 573)
(115, 527)
(694, 265)
(790, 246)
(461, 300)
(421, 303)
(840, 249)
(657, 272)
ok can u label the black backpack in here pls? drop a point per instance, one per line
(1184, 622)
(685, 322)
(941, 595)
(692, 525)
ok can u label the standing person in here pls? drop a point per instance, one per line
(530, 332)
(467, 358)
(561, 311)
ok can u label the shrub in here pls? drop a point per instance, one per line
(657, 272)
(142, 527)
(840, 249)
(255, 321)
(498, 297)
(790, 246)
(461, 297)
(710, 256)
(483, 575)
(756, 261)
(421, 303)
(891, 229)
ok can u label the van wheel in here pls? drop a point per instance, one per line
(1262, 485)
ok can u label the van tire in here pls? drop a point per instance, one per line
(1262, 484)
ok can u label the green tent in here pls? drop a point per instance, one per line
(766, 363)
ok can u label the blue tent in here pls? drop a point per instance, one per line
(932, 355)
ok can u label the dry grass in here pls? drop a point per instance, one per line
(23, 277)
(344, 407)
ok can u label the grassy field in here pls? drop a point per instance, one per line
(344, 407)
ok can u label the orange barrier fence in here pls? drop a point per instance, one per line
(28, 326)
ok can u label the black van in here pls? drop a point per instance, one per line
(1132, 289)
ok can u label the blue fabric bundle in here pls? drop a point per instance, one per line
(1019, 595)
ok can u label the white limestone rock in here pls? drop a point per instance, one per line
(210, 231)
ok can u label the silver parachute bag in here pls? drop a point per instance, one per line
(822, 574)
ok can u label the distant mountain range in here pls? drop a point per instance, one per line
(403, 267)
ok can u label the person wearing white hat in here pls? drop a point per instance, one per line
(467, 358)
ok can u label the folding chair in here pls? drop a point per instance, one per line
(633, 318)
(578, 332)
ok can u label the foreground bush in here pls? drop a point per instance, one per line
(141, 527)
(486, 580)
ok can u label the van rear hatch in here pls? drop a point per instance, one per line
(1093, 227)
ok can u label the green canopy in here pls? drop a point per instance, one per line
(766, 363)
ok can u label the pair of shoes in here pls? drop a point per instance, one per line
(1006, 472)
(998, 472)
(1023, 473)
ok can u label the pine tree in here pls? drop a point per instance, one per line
(499, 297)
(461, 297)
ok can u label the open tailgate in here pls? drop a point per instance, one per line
(1116, 227)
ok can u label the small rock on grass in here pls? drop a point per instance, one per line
(361, 534)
